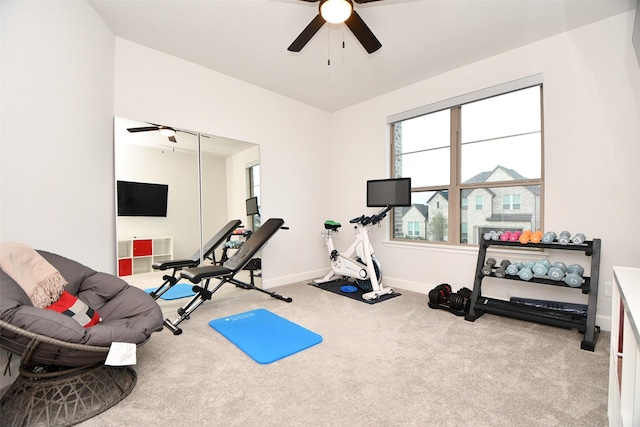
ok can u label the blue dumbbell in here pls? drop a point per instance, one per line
(574, 275)
(525, 273)
(548, 237)
(513, 269)
(557, 271)
(541, 268)
(564, 237)
(577, 268)
(579, 238)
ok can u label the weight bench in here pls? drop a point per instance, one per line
(178, 264)
(226, 273)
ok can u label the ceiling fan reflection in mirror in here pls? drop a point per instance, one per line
(337, 12)
(164, 131)
(189, 141)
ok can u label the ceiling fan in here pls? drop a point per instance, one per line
(349, 16)
(164, 130)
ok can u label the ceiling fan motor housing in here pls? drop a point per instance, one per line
(353, 21)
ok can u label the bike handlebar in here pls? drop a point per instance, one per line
(373, 219)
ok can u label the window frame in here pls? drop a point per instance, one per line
(456, 186)
(253, 190)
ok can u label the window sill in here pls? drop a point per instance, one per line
(462, 249)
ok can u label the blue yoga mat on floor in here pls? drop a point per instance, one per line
(177, 291)
(265, 336)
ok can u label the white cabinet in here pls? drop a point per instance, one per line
(624, 361)
(137, 255)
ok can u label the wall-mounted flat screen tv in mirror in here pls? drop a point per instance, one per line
(389, 192)
(142, 199)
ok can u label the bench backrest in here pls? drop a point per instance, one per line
(254, 243)
(217, 240)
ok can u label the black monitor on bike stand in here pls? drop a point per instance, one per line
(389, 193)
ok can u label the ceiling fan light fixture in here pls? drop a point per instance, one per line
(167, 131)
(336, 11)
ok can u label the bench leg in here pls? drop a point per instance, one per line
(169, 281)
(202, 294)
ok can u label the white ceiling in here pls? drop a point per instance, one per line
(248, 39)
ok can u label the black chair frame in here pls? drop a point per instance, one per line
(226, 273)
(208, 253)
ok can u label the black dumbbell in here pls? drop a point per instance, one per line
(502, 270)
(461, 300)
(440, 294)
(488, 266)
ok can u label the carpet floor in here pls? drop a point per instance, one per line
(397, 363)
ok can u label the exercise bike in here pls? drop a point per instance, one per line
(358, 261)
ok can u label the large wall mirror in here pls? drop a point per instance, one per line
(181, 187)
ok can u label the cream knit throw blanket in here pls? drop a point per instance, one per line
(39, 279)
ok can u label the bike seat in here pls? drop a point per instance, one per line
(331, 225)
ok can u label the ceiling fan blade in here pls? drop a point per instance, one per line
(362, 32)
(364, 1)
(172, 138)
(143, 129)
(307, 34)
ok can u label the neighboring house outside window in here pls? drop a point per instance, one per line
(468, 153)
(497, 216)
(414, 222)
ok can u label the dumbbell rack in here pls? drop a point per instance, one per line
(585, 324)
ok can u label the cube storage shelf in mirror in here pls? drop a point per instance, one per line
(137, 255)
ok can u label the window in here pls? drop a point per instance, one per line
(253, 190)
(413, 229)
(479, 202)
(511, 202)
(484, 148)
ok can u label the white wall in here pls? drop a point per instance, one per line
(292, 137)
(56, 150)
(592, 147)
(237, 182)
(179, 170)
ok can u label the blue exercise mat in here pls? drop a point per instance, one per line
(177, 291)
(265, 336)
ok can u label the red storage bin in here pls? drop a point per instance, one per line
(125, 267)
(142, 247)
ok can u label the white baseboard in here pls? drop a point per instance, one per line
(294, 278)
(408, 285)
(397, 284)
(604, 322)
